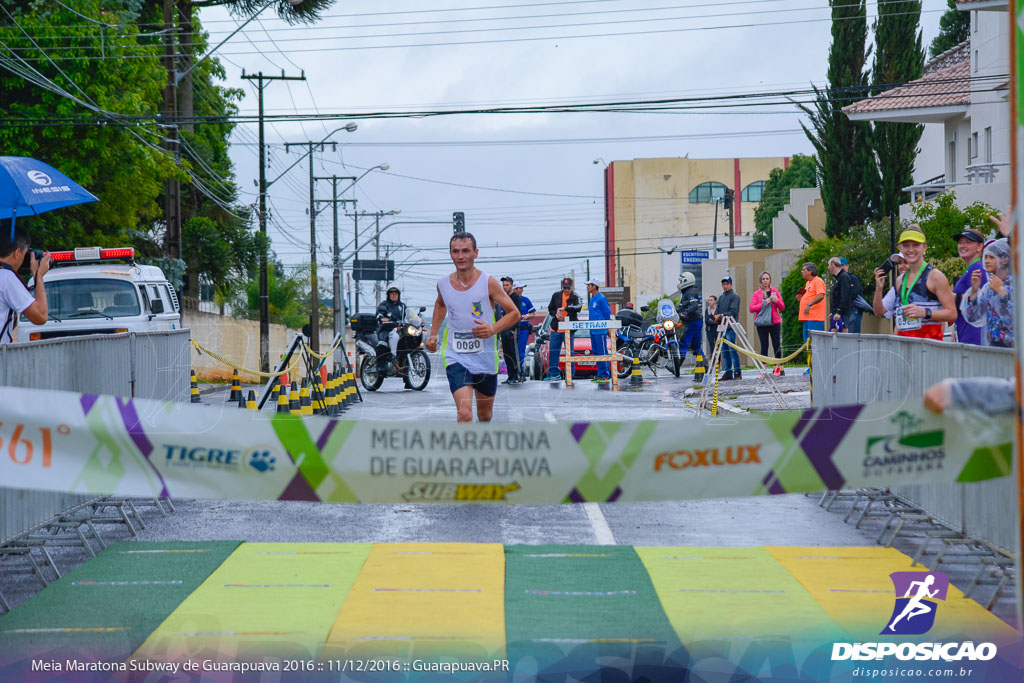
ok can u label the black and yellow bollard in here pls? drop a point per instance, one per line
(699, 370)
(194, 388)
(332, 395)
(250, 400)
(293, 400)
(305, 406)
(236, 388)
(241, 400)
(344, 393)
(636, 378)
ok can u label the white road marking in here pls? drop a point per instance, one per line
(602, 532)
(549, 416)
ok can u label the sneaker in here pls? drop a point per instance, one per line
(602, 380)
(782, 372)
(509, 380)
(726, 377)
(553, 378)
(738, 375)
(807, 371)
(777, 371)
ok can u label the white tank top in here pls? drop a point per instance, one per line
(478, 356)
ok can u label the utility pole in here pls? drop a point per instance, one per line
(714, 238)
(314, 295)
(264, 282)
(730, 204)
(355, 250)
(172, 186)
(376, 245)
(588, 278)
(338, 291)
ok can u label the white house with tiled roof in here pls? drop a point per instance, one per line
(962, 99)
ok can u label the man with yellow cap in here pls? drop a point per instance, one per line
(925, 301)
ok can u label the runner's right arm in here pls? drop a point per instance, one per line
(440, 311)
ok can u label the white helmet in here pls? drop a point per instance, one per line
(686, 279)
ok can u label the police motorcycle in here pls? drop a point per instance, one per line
(629, 340)
(397, 351)
(659, 346)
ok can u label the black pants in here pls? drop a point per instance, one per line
(510, 352)
(775, 331)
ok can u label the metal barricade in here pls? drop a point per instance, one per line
(850, 369)
(141, 365)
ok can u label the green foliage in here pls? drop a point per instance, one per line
(802, 172)
(847, 169)
(818, 253)
(126, 174)
(898, 58)
(940, 220)
(954, 28)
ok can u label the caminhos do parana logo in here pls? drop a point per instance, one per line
(907, 451)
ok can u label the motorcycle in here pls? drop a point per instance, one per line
(660, 346)
(396, 352)
(629, 342)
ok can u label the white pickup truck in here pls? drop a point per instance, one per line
(88, 291)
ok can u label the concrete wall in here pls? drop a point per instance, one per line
(805, 206)
(236, 340)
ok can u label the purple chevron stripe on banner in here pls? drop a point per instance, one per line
(322, 441)
(299, 489)
(576, 497)
(578, 429)
(825, 432)
(88, 401)
(142, 442)
(771, 480)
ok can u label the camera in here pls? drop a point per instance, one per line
(889, 264)
(37, 253)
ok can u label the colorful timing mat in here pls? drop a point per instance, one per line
(475, 602)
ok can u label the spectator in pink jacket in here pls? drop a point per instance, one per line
(766, 304)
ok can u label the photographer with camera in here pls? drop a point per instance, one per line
(15, 298)
(565, 304)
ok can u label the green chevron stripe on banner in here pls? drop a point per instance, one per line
(295, 438)
(594, 443)
(334, 489)
(793, 471)
(979, 465)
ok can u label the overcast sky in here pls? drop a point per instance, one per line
(526, 182)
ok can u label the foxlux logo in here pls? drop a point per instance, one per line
(913, 614)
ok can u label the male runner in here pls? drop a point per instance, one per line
(465, 301)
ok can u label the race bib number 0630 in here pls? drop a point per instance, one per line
(465, 342)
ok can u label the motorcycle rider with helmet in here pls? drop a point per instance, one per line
(390, 313)
(690, 314)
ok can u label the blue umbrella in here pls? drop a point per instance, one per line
(29, 187)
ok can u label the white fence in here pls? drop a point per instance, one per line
(145, 365)
(851, 369)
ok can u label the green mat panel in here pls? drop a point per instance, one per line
(567, 605)
(108, 606)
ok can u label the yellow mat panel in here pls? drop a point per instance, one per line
(733, 594)
(425, 600)
(853, 586)
(275, 599)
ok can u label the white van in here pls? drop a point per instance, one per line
(103, 298)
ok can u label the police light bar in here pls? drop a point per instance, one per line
(92, 254)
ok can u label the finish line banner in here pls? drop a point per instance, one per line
(61, 441)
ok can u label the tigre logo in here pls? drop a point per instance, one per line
(434, 491)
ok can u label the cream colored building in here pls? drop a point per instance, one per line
(655, 209)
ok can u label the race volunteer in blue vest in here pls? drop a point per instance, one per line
(465, 302)
(15, 299)
(599, 310)
(526, 308)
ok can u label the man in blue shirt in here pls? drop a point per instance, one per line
(599, 310)
(526, 308)
(969, 245)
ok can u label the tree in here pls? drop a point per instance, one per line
(954, 28)
(802, 172)
(899, 58)
(847, 171)
(117, 163)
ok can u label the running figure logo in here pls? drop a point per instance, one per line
(916, 593)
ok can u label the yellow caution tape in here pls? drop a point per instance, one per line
(202, 349)
(765, 359)
(326, 353)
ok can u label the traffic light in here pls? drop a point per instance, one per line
(459, 222)
(727, 202)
